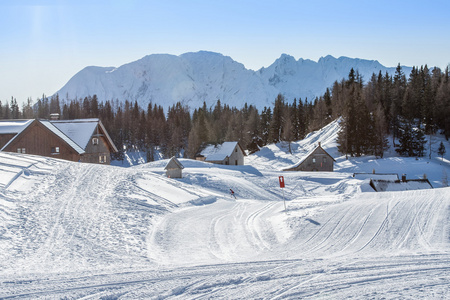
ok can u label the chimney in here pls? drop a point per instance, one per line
(319, 145)
(373, 171)
(424, 176)
(404, 177)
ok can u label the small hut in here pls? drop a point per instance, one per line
(173, 168)
(315, 160)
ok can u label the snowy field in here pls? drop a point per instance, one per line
(81, 231)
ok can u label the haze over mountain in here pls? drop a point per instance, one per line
(194, 78)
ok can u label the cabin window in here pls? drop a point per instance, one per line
(55, 150)
(102, 159)
(94, 141)
(21, 150)
(314, 160)
(324, 160)
(235, 150)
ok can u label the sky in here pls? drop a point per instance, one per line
(44, 43)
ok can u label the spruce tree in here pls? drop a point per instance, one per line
(441, 150)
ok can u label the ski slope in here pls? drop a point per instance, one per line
(82, 231)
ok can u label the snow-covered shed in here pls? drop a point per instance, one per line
(315, 160)
(174, 168)
(84, 140)
(227, 153)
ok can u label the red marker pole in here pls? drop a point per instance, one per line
(281, 180)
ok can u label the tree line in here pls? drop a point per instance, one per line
(180, 131)
(386, 105)
(406, 109)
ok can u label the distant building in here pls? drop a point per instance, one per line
(84, 140)
(400, 185)
(315, 160)
(227, 153)
(174, 168)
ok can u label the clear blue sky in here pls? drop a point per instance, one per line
(45, 43)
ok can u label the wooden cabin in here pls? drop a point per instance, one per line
(84, 140)
(315, 160)
(174, 168)
(227, 153)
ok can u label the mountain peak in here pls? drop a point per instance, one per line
(205, 76)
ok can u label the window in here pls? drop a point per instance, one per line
(324, 160)
(55, 150)
(314, 160)
(21, 150)
(94, 141)
(102, 159)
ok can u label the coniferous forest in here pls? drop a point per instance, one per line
(405, 109)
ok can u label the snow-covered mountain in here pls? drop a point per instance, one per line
(194, 78)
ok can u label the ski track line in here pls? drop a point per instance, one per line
(322, 244)
(321, 228)
(250, 223)
(411, 219)
(377, 233)
(281, 293)
(359, 231)
(214, 243)
(360, 275)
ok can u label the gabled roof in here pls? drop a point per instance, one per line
(50, 127)
(308, 154)
(81, 130)
(174, 163)
(219, 152)
(62, 136)
(76, 133)
(13, 126)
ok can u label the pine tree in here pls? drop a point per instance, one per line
(266, 119)
(406, 140)
(441, 150)
(412, 139)
(380, 142)
(253, 128)
(277, 123)
(419, 141)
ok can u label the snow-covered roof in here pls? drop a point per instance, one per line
(13, 126)
(218, 152)
(378, 176)
(76, 133)
(398, 185)
(174, 163)
(61, 135)
(80, 131)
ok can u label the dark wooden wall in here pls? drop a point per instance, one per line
(37, 139)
